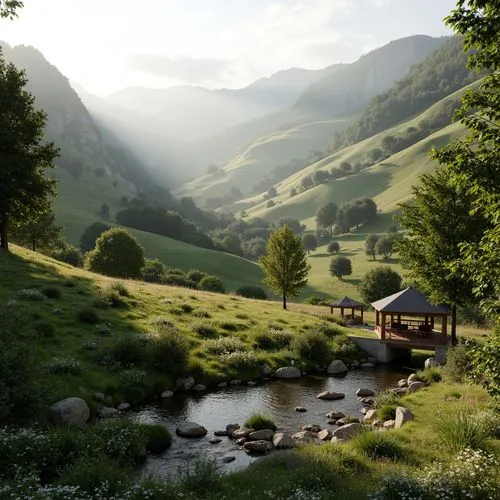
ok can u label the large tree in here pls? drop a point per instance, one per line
(285, 263)
(326, 217)
(371, 245)
(9, 8)
(379, 283)
(40, 233)
(25, 188)
(340, 266)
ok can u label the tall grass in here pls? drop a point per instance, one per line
(378, 445)
(259, 422)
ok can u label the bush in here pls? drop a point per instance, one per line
(387, 412)
(169, 351)
(431, 375)
(204, 328)
(385, 398)
(212, 284)
(272, 340)
(44, 328)
(63, 366)
(195, 275)
(201, 477)
(224, 345)
(120, 288)
(259, 422)
(313, 347)
(241, 362)
(52, 292)
(67, 254)
(153, 271)
(252, 292)
(344, 348)
(158, 438)
(88, 315)
(329, 330)
(316, 300)
(129, 351)
(333, 247)
(108, 297)
(377, 445)
(459, 362)
(30, 294)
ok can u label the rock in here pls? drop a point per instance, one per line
(347, 431)
(242, 432)
(266, 371)
(241, 441)
(236, 381)
(288, 372)
(338, 440)
(400, 391)
(304, 436)
(220, 433)
(184, 384)
(330, 396)
(251, 383)
(336, 367)
(325, 435)
(341, 421)
(283, 441)
(415, 386)
(311, 427)
(403, 415)
(364, 410)
(367, 401)
(72, 411)
(355, 364)
(300, 409)
(411, 378)
(167, 394)
(402, 383)
(222, 385)
(262, 435)
(367, 365)
(332, 422)
(123, 406)
(228, 460)
(99, 397)
(389, 424)
(258, 446)
(372, 360)
(370, 415)
(335, 415)
(191, 430)
(365, 393)
(214, 440)
(199, 387)
(377, 423)
(431, 362)
(231, 428)
(108, 412)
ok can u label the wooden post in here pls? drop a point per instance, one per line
(362, 320)
(342, 311)
(382, 327)
(331, 309)
(432, 322)
(399, 318)
(444, 324)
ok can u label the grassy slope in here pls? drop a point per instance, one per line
(262, 156)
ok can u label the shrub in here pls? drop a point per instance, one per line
(344, 348)
(385, 398)
(44, 328)
(129, 351)
(333, 247)
(272, 340)
(133, 384)
(259, 422)
(333, 319)
(153, 271)
(63, 366)
(52, 292)
(329, 330)
(316, 300)
(120, 288)
(242, 362)
(103, 329)
(201, 477)
(224, 345)
(88, 315)
(204, 328)
(30, 294)
(169, 351)
(252, 292)
(195, 275)
(312, 346)
(431, 375)
(212, 284)
(459, 362)
(108, 297)
(387, 412)
(377, 445)
(158, 438)
(67, 254)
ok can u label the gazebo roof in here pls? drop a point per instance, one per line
(409, 301)
(346, 302)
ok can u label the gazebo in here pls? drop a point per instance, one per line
(409, 316)
(353, 305)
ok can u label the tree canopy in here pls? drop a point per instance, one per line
(9, 8)
(326, 217)
(42, 232)
(340, 266)
(379, 283)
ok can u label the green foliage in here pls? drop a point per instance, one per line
(52, 292)
(252, 292)
(129, 351)
(377, 445)
(66, 253)
(63, 366)
(169, 351)
(212, 284)
(326, 217)
(370, 245)
(459, 361)
(356, 213)
(312, 346)
(385, 246)
(153, 271)
(9, 8)
(430, 375)
(272, 340)
(387, 412)
(340, 266)
(117, 253)
(88, 315)
(258, 422)
(379, 283)
(40, 233)
(285, 266)
(108, 297)
(385, 398)
(486, 360)
(333, 247)
(158, 438)
(91, 234)
(120, 288)
(200, 477)
(224, 345)
(310, 242)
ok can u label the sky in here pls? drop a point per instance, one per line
(106, 45)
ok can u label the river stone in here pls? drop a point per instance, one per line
(403, 415)
(215, 440)
(220, 433)
(325, 435)
(336, 367)
(251, 383)
(365, 393)
(262, 435)
(123, 406)
(72, 411)
(367, 365)
(266, 371)
(288, 372)
(199, 387)
(167, 394)
(108, 412)
(370, 415)
(311, 427)
(222, 385)
(241, 441)
(231, 428)
(228, 460)
(367, 401)
(283, 441)
(389, 424)
(184, 384)
(191, 430)
(402, 383)
(411, 378)
(242, 432)
(330, 396)
(99, 397)
(258, 446)
(347, 431)
(355, 364)
(415, 386)
(335, 415)
(304, 436)
(338, 440)
(431, 362)
(300, 409)
(236, 381)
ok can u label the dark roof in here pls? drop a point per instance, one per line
(408, 301)
(346, 302)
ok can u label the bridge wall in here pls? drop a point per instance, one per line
(380, 350)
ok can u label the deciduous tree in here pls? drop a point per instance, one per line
(310, 242)
(326, 217)
(370, 245)
(379, 283)
(90, 235)
(42, 232)
(340, 267)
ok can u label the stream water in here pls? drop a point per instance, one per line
(277, 398)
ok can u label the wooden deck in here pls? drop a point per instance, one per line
(413, 338)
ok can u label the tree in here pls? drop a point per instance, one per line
(326, 216)
(375, 154)
(90, 235)
(320, 176)
(117, 253)
(285, 264)
(8, 8)
(310, 242)
(379, 283)
(340, 267)
(25, 188)
(385, 246)
(104, 211)
(272, 192)
(292, 223)
(333, 247)
(370, 245)
(306, 183)
(42, 232)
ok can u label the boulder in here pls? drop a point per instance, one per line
(283, 441)
(191, 430)
(415, 386)
(69, 411)
(108, 412)
(389, 424)
(370, 415)
(184, 384)
(220, 433)
(241, 441)
(341, 421)
(199, 387)
(215, 440)
(228, 460)
(236, 381)
(347, 431)
(325, 435)
(222, 385)
(367, 401)
(411, 378)
(367, 365)
(431, 362)
(242, 432)
(403, 383)
(311, 427)
(335, 415)
(330, 396)
(300, 409)
(167, 394)
(403, 415)
(123, 406)
(336, 367)
(99, 397)
(251, 383)
(262, 435)
(304, 436)
(266, 371)
(355, 364)
(258, 446)
(231, 428)
(377, 423)
(288, 372)
(365, 393)
(364, 410)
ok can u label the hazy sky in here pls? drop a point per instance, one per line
(105, 45)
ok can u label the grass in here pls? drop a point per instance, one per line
(260, 422)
